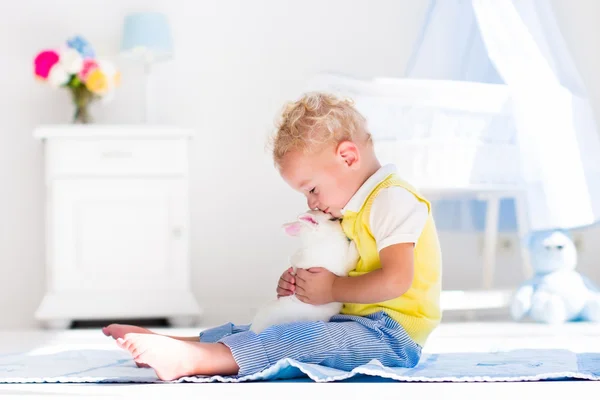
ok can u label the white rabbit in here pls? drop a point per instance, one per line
(322, 244)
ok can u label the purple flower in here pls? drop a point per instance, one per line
(82, 46)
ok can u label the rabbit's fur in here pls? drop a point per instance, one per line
(322, 244)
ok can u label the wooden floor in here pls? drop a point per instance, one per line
(450, 337)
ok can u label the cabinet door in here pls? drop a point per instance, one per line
(118, 234)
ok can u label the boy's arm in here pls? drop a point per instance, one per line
(392, 280)
(396, 220)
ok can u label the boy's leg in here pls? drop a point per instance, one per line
(344, 343)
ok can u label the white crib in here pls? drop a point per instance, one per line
(448, 138)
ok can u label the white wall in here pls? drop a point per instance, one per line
(236, 63)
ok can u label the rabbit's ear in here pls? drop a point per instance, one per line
(308, 219)
(292, 228)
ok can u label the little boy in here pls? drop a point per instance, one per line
(391, 300)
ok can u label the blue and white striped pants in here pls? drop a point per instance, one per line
(345, 342)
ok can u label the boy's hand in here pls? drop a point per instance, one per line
(315, 285)
(287, 284)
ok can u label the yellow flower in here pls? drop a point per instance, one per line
(97, 82)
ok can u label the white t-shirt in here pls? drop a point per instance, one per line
(397, 215)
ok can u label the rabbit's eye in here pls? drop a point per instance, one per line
(334, 219)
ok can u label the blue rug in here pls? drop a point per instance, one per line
(115, 366)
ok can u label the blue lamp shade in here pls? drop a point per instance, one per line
(147, 35)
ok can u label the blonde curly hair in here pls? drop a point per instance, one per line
(316, 120)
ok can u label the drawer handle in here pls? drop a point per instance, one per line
(116, 154)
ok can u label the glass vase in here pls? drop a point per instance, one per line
(82, 99)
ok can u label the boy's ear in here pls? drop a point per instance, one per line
(348, 151)
(308, 219)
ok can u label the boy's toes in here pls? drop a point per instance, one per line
(112, 330)
(134, 343)
(127, 345)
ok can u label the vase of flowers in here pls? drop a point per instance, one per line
(74, 66)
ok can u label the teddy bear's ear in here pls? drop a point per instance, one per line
(292, 228)
(308, 219)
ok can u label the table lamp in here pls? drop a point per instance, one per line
(147, 36)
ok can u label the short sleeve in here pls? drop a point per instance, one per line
(397, 216)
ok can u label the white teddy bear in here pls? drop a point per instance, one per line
(556, 293)
(322, 244)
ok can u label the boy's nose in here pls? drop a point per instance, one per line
(312, 203)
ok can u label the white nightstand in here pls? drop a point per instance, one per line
(117, 224)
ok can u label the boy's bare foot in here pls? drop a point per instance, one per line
(172, 359)
(119, 331)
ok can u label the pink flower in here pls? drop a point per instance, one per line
(88, 66)
(44, 62)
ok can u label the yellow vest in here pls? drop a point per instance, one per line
(417, 310)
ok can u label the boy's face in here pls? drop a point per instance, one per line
(327, 178)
